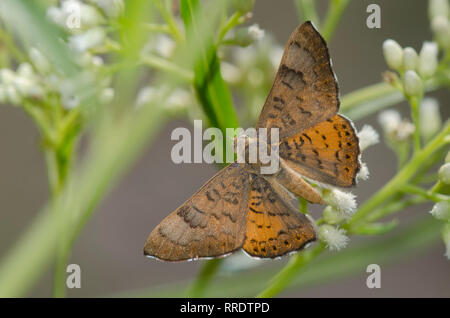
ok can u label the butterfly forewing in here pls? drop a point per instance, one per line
(305, 90)
(274, 227)
(210, 224)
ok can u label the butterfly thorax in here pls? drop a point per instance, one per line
(255, 153)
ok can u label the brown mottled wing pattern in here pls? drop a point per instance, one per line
(327, 152)
(305, 90)
(274, 227)
(210, 224)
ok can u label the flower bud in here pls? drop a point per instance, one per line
(444, 173)
(428, 59)
(334, 238)
(247, 36)
(441, 28)
(410, 58)
(332, 216)
(429, 117)
(412, 84)
(441, 211)
(393, 54)
(438, 8)
(39, 60)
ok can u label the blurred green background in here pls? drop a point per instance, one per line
(109, 250)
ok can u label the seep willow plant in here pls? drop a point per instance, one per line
(88, 75)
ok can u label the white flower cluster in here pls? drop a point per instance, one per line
(415, 67)
(16, 86)
(83, 21)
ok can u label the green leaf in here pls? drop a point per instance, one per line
(212, 91)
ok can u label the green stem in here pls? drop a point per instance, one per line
(412, 189)
(334, 13)
(365, 94)
(402, 177)
(415, 102)
(165, 10)
(233, 21)
(167, 66)
(204, 277)
(285, 276)
(306, 10)
(393, 207)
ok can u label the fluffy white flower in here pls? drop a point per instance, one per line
(334, 238)
(412, 83)
(255, 32)
(343, 202)
(363, 173)
(368, 136)
(441, 211)
(428, 59)
(444, 173)
(389, 120)
(393, 54)
(429, 117)
(394, 127)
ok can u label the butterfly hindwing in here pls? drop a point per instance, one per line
(305, 90)
(210, 224)
(274, 227)
(327, 152)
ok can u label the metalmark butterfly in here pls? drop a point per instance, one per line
(239, 208)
